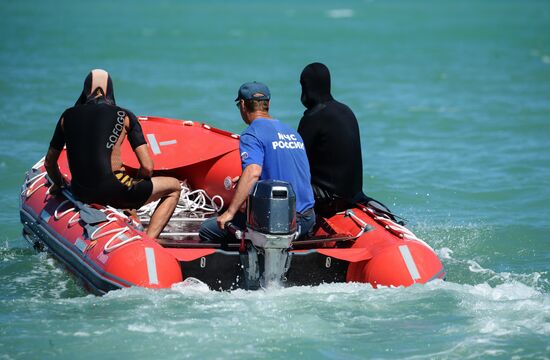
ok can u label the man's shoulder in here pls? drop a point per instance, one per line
(332, 105)
(261, 125)
(285, 127)
(70, 109)
(271, 126)
(343, 105)
(339, 107)
(67, 111)
(71, 112)
(264, 122)
(94, 107)
(125, 110)
(315, 110)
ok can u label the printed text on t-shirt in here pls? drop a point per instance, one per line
(287, 141)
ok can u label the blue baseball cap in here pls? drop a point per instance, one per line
(253, 91)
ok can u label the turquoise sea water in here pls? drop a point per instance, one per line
(453, 99)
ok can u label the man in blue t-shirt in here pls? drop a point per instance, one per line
(269, 150)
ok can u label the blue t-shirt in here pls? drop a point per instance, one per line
(280, 151)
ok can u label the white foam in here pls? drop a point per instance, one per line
(507, 309)
(340, 13)
(191, 285)
(507, 291)
(143, 328)
(476, 268)
(444, 253)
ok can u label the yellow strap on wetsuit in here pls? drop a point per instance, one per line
(124, 179)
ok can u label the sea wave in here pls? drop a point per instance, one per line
(340, 13)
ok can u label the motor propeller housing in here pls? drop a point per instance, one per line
(271, 228)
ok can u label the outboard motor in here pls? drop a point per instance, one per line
(271, 228)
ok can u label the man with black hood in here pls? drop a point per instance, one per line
(331, 137)
(93, 131)
(333, 144)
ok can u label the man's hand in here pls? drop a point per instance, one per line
(224, 218)
(250, 175)
(50, 163)
(146, 165)
(143, 174)
(55, 190)
(234, 182)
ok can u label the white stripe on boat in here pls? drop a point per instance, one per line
(411, 266)
(151, 265)
(154, 144)
(168, 142)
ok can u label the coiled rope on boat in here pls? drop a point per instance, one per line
(189, 201)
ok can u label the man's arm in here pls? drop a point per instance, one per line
(50, 163)
(139, 145)
(145, 162)
(309, 132)
(250, 175)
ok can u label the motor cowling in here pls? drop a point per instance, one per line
(271, 208)
(271, 228)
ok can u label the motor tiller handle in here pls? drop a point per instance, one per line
(234, 230)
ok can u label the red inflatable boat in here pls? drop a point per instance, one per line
(107, 249)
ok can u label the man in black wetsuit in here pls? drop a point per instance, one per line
(333, 145)
(93, 131)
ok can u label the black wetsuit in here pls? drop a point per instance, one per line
(91, 131)
(331, 137)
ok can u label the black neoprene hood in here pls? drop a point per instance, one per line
(315, 81)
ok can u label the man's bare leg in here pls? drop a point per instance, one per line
(167, 189)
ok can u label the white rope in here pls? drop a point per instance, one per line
(189, 201)
(108, 247)
(116, 211)
(39, 164)
(400, 229)
(58, 216)
(112, 217)
(363, 226)
(31, 189)
(388, 223)
(74, 219)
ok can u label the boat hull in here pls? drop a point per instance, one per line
(359, 245)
